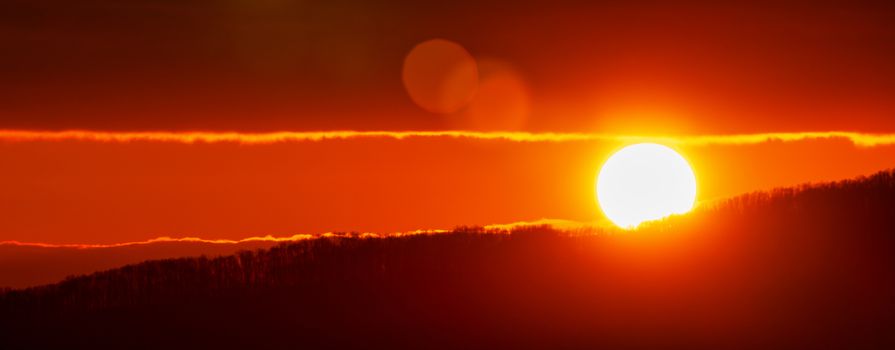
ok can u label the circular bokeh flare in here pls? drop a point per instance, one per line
(440, 76)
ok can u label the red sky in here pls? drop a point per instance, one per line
(636, 68)
(270, 65)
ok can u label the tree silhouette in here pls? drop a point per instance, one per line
(805, 267)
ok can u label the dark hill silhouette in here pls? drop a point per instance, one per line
(808, 267)
(23, 266)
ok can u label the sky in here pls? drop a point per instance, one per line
(138, 79)
(272, 65)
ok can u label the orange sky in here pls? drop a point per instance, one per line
(570, 77)
(86, 191)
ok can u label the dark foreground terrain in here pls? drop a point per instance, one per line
(812, 267)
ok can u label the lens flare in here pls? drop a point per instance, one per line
(440, 76)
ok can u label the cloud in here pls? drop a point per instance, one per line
(559, 224)
(159, 240)
(555, 223)
(858, 139)
(268, 238)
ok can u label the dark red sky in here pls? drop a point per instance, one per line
(253, 65)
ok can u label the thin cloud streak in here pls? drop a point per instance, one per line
(858, 139)
(494, 228)
(271, 239)
(159, 240)
(559, 224)
(268, 238)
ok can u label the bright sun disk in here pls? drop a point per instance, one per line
(644, 182)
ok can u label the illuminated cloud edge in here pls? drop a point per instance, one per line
(858, 139)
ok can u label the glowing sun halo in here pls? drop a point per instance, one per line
(643, 182)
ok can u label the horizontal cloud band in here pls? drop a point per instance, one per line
(859, 139)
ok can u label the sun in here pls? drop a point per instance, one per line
(643, 182)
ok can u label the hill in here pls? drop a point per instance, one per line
(807, 267)
(28, 265)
